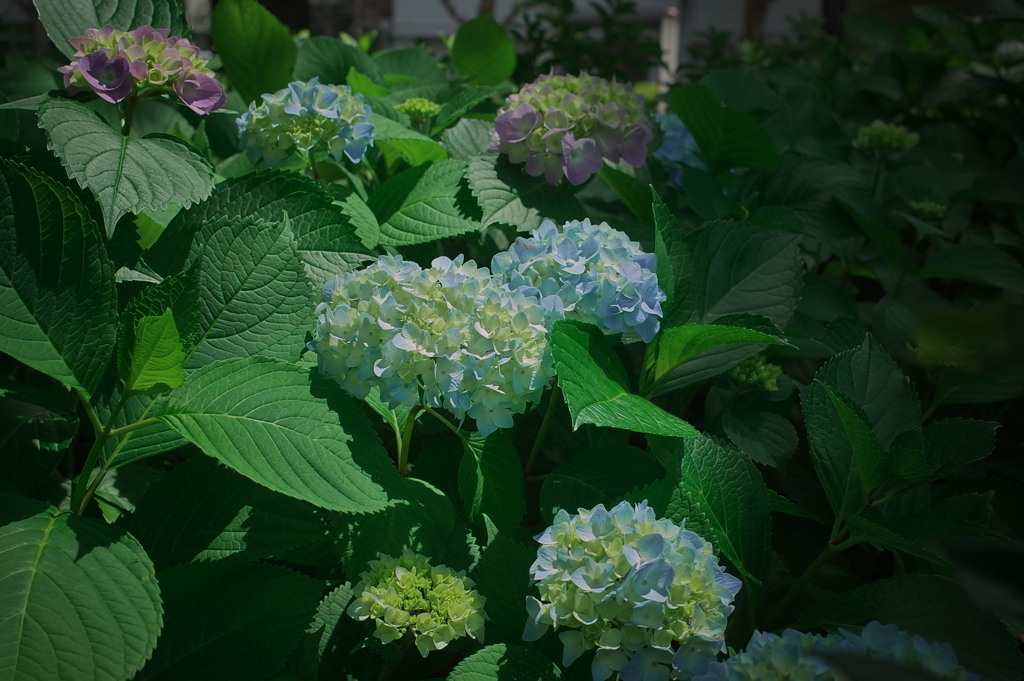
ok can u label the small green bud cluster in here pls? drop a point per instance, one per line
(794, 655)
(756, 371)
(418, 108)
(927, 210)
(409, 596)
(886, 138)
(649, 595)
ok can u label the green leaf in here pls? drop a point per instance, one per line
(511, 197)
(491, 481)
(158, 360)
(951, 444)
(727, 138)
(257, 50)
(179, 293)
(764, 436)
(483, 52)
(291, 443)
(254, 297)
(417, 64)
(231, 620)
(126, 174)
(33, 440)
(414, 148)
(330, 60)
(502, 662)
(325, 237)
(362, 85)
(729, 491)
(78, 598)
(886, 539)
(420, 518)
(459, 105)
(203, 510)
(934, 608)
(503, 578)
(978, 263)
(419, 205)
(675, 346)
(704, 194)
(630, 190)
(57, 300)
(600, 475)
(136, 444)
(872, 219)
(847, 455)
(869, 376)
(684, 509)
(330, 611)
(467, 138)
(64, 19)
(673, 254)
(594, 383)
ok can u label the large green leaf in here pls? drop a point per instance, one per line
(57, 300)
(601, 475)
(951, 444)
(871, 218)
(257, 50)
(78, 598)
(254, 297)
(157, 361)
(204, 510)
(630, 190)
(459, 105)
(414, 148)
(64, 19)
(872, 379)
(329, 59)
(764, 436)
(491, 481)
(846, 452)
(326, 238)
(257, 416)
(732, 497)
(32, 439)
(976, 262)
(502, 662)
(594, 383)
(503, 578)
(419, 205)
(483, 51)
(934, 608)
(674, 256)
(231, 620)
(727, 138)
(467, 139)
(509, 196)
(126, 174)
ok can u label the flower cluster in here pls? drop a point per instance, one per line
(418, 108)
(678, 148)
(757, 371)
(113, 64)
(927, 210)
(564, 125)
(408, 595)
(795, 655)
(452, 336)
(302, 116)
(589, 272)
(886, 138)
(649, 595)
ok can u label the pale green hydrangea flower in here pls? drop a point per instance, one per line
(646, 593)
(418, 108)
(797, 656)
(409, 596)
(757, 371)
(452, 336)
(927, 210)
(885, 137)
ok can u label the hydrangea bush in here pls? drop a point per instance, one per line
(288, 387)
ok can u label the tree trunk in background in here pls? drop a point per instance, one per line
(754, 15)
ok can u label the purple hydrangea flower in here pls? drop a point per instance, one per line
(200, 92)
(108, 77)
(562, 126)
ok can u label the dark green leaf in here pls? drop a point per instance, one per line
(330, 60)
(872, 219)
(57, 298)
(978, 263)
(257, 50)
(704, 194)
(414, 148)
(630, 190)
(483, 52)
(33, 440)
(419, 205)
(491, 481)
(951, 444)
(510, 197)
(503, 578)
(764, 436)
(459, 105)
(158, 360)
(64, 19)
(79, 598)
(467, 138)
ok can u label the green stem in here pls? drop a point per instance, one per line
(556, 394)
(81, 484)
(138, 425)
(794, 591)
(403, 449)
(90, 412)
(312, 164)
(454, 429)
(129, 114)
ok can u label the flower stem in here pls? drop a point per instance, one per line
(129, 114)
(556, 394)
(403, 450)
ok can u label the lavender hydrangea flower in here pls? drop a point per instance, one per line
(303, 115)
(588, 272)
(796, 655)
(678, 148)
(563, 126)
(451, 336)
(146, 61)
(646, 593)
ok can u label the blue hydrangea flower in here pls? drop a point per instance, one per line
(563, 126)
(678, 148)
(648, 595)
(452, 336)
(795, 655)
(589, 272)
(302, 116)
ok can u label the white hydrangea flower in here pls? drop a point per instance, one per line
(646, 593)
(452, 336)
(588, 272)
